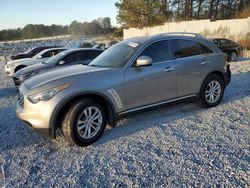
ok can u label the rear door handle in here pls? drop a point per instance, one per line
(169, 69)
(205, 62)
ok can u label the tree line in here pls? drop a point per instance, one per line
(147, 13)
(96, 27)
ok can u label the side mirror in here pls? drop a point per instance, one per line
(40, 57)
(144, 61)
(62, 62)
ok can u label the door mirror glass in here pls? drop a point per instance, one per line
(62, 62)
(144, 61)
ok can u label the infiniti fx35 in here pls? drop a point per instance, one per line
(132, 75)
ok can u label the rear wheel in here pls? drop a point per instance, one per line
(84, 122)
(212, 90)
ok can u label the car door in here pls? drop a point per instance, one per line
(147, 85)
(192, 61)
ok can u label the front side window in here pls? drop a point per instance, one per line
(70, 58)
(158, 51)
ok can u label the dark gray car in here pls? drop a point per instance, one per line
(69, 57)
(132, 75)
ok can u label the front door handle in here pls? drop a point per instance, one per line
(205, 62)
(169, 69)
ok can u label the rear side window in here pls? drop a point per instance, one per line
(77, 56)
(225, 42)
(93, 54)
(187, 48)
(158, 51)
(49, 53)
(59, 50)
(205, 50)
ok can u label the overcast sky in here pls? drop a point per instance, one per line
(18, 13)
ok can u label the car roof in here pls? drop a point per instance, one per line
(179, 35)
(49, 49)
(81, 49)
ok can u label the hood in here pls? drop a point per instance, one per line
(17, 60)
(32, 68)
(57, 74)
(28, 61)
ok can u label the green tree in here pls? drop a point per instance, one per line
(75, 28)
(141, 13)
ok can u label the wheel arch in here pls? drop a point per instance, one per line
(218, 73)
(18, 67)
(60, 110)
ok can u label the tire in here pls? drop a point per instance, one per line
(233, 56)
(77, 124)
(19, 68)
(208, 90)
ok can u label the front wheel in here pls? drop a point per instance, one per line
(212, 90)
(84, 122)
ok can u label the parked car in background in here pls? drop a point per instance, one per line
(86, 44)
(69, 57)
(32, 52)
(13, 66)
(231, 48)
(100, 46)
(133, 75)
(111, 43)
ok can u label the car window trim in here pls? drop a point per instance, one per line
(202, 54)
(131, 64)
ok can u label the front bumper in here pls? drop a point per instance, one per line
(36, 116)
(228, 75)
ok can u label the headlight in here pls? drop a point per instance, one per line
(28, 74)
(10, 65)
(46, 95)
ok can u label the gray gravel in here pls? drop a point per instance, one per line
(178, 145)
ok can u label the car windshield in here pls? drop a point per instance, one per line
(29, 51)
(55, 59)
(115, 56)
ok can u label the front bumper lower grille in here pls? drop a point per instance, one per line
(20, 100)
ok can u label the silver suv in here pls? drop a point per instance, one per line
(132, 75)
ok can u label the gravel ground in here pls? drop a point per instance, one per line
(173, 146)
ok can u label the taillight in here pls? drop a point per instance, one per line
(227, 58)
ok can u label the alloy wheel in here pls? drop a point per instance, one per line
(213, 91)
(89, 122)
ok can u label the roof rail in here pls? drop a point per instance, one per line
(183, 33)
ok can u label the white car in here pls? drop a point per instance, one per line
(13, 66)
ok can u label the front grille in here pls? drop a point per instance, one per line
(20, 100)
